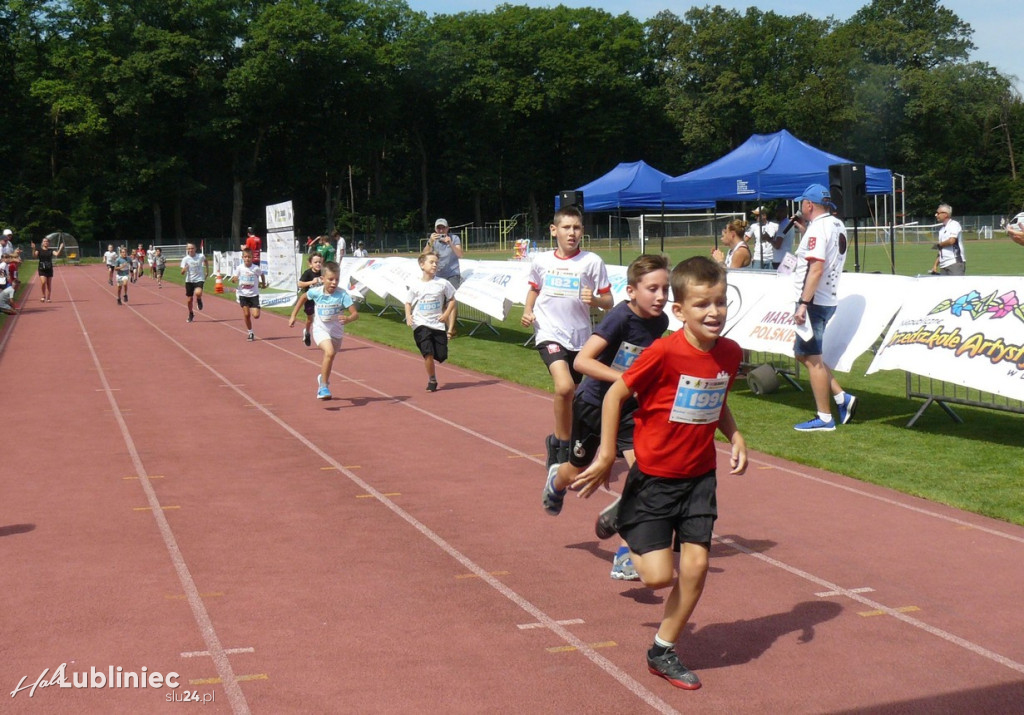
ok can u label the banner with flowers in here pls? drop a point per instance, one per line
(961, 329)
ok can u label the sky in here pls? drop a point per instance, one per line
(998, 24)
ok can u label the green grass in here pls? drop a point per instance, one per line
(972, 466)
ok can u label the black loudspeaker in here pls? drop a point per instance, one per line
(570, 198)
(848, 185)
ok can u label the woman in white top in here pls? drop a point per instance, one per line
(739, 253)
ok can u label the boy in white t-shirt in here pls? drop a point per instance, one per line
(329, 321)
(109, 259)
(250, 279)
(564, 284)
(193, 267)
(428, 308)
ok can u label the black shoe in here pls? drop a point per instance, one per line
(432, 385)
(562, 455)
(608, 520)
(199, 303)
(191, 317)
(126, 296)
(119, 301)
(668, 667)
(306, 338)
(552, 446)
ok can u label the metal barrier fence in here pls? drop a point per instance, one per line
(943, 394)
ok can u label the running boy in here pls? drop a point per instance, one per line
(329, 324)
(428, 307)
(159, 264)
(309, 278)
(625, 332)
(680, 383)
(250, 279)
(109, 259)
(564, 284)
(193, 267)
(122, 270)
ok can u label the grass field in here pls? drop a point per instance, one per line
(972, 466)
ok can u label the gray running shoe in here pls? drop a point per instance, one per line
(623, 569)
(668, 667)
(552, 499)
(608, 521)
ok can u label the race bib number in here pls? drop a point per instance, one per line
(562, 284)
(428, 307)
(329, 313)
(625, 356)
(699, 400)
(247, 283)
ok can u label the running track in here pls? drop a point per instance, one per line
(174, 498)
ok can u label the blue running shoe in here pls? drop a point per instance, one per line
(552, 498)
(323, 392)
(623, 569)
(816, 425)
(847, 409)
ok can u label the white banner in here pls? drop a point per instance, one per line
(279, 253)
(387, 276)
(764, 319)
(963, 330)
(493, 286)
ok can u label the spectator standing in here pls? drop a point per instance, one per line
(950, 261)
(739, 252)
(339, 245)
(448, 247)
(254, 244)
(759, 237)
(360, 251)
(819, 265)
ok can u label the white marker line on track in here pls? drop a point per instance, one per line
(535, 612)
(202, 618)
(875, 606)
(886, 500)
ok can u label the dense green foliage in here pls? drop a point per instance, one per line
(159, 121)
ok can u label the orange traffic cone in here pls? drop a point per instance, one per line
(218, 285)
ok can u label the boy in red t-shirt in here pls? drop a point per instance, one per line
(681, 383)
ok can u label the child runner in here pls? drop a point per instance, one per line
(123, 270)
(564, 284)
(159, 264)
(623, 334)
(329, 323)
(680, 383)
(193, 267)
(138, 263)
(250, 279)
(309, 278)
(110, 258)
(428, 307)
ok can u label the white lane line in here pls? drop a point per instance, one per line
(875, 606)
(884, 500)
(202, 618)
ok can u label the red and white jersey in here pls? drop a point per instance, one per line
(560, 316)
(824, 240)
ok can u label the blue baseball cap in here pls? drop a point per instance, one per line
(816, 194)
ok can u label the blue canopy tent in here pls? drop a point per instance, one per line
(769, 166)
(632, 185)
(766, 166)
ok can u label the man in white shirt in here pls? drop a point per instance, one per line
(819, 264)
(950, 261)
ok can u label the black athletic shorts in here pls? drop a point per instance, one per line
(551, 353)
(658, 513)
(586, 431)
(431, 341)
(249, 301)
(190, 288)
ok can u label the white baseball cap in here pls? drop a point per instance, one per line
(9, 232)
(441, 222)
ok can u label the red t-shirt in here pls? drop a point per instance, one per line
(254, 244)
(681, 391)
